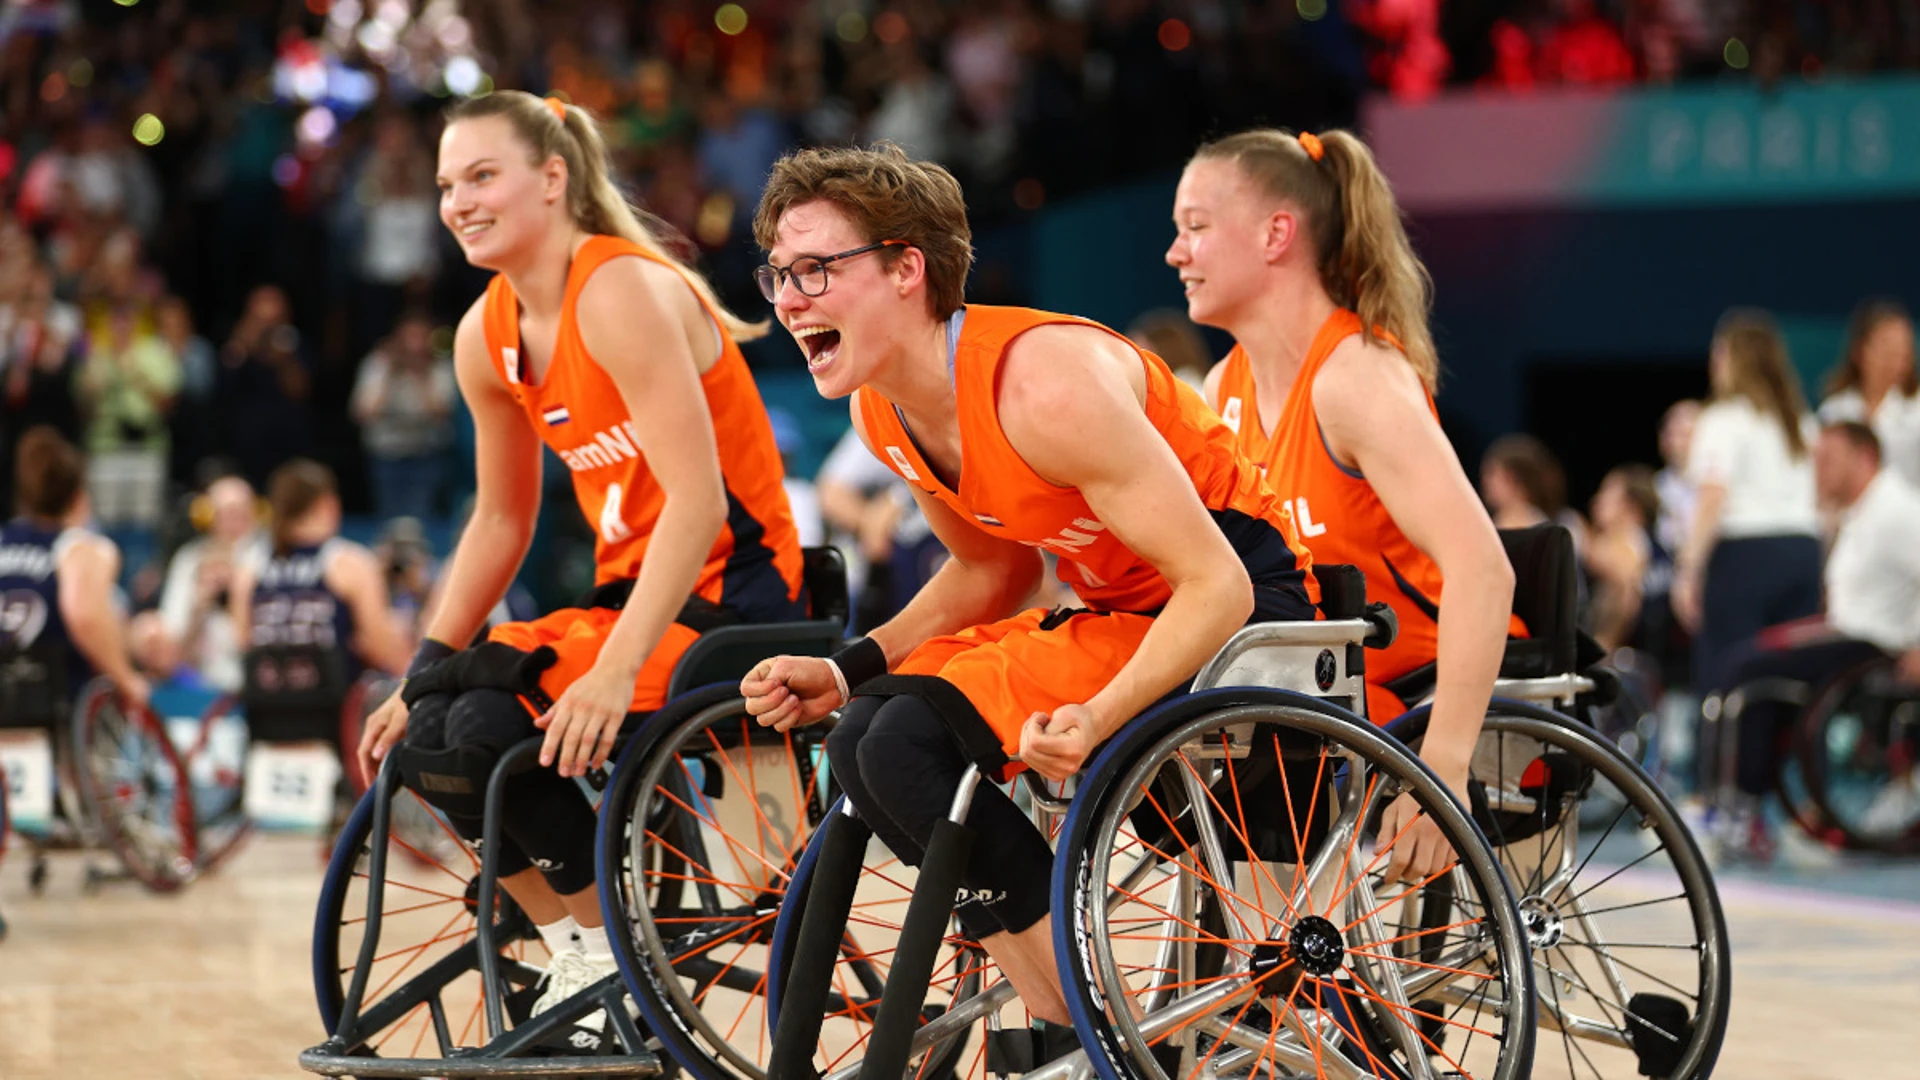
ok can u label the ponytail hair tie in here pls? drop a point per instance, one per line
(1308, 141)
(558, 108)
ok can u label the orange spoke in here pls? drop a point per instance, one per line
(744, 891)
(1421, 964)
(411, 888)
(1346, 858)
(1233, 781)
(400, 911)
(723, 938)
(765, 827)
(733, 845)
(1416, 886)
(722, 973)
(756, 994)
(1415, 1028)
(1417, 933)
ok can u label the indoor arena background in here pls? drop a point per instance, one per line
(239, 199)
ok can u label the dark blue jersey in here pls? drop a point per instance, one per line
(293, 606)
(30, 618)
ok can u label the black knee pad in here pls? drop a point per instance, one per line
(455, 779)
(449, 763)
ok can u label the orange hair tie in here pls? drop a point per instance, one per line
(1312, 145)
(558, 108)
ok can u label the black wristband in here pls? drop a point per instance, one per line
(861, 661)
(430, 653)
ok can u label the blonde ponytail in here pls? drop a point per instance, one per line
(1366, 262)
(594, 201)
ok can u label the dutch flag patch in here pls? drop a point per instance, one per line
(556, 416)
(989, 519)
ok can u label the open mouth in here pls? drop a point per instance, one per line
(822, 344)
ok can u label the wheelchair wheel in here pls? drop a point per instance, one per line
(134, 788)
(1858, 750)
(425, 970)
(700, 832)
(1220, 909)
(1629, 942)
(218, 784)
(966, 998)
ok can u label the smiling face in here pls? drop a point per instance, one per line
(1886, 356)
(495, 200)
(871, 301)
(1224, 242)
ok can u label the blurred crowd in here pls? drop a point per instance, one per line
(220, 248)
(1772, 541)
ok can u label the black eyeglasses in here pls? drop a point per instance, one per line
(808, 272)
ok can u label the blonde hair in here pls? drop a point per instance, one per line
(888, 196)
(1759, 370)
(594, 201)
(1366, 262)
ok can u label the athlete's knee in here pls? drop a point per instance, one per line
(910, 763)
(451, 772)
(843, 741)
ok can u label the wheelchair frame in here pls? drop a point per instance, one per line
(715, 657)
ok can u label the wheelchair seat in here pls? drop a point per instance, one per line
(727, 653)
(34, 687)
(1546, 597)
(293, 693)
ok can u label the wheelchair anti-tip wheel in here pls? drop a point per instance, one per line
(1630, 949)
(1221, 908)
(700, 832)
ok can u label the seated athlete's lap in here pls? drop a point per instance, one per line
(576, 636)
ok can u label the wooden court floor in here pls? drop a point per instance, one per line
(214, 983)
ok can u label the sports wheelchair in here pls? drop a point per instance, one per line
(90, 773)
(1629, 941)
(1217, 906)
(294, 698)
(412, 980)
(1847, 768)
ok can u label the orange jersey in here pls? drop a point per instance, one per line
(754, 567)
(1340, 518)
(1006, 498)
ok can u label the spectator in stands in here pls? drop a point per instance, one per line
(127, 387)
(1876, 384)
(874, 517)
(1671, 483)
(399, 245)
(1524, 485)
(1624, 563)
(39, 352)
(261, 390)
(1873, 610)
(193, 415)
(1752, 557)
(193, 603)
(802, 497)
(1170, 335)
(403, 402)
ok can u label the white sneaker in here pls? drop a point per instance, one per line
(1893, 810)
(570, 971)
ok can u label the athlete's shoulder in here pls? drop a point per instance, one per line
(1358, 369)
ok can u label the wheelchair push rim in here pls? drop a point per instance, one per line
(700, 833)
(1300, 961)
(1631, 957)
(1858, 749)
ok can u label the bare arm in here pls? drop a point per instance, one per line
(86, 573)
(355, 577)
(507, 500)
(1071, 405)
(1374, 414)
